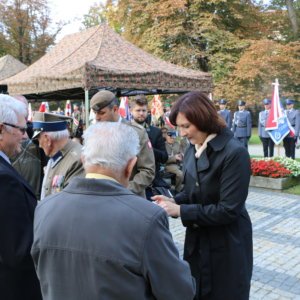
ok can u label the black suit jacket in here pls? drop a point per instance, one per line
(18, 279)
(158, 144)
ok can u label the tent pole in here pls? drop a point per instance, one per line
(87, 109)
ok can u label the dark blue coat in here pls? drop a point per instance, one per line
(18, 280)
(218, 242)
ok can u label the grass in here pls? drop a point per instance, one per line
(254, 140)
(295, 190)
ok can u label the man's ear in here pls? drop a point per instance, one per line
(129, 167)
(115, 108)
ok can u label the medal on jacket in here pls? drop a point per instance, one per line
(57, 183)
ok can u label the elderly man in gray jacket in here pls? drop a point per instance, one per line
(98, 240)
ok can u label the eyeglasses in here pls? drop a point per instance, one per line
(22, 129)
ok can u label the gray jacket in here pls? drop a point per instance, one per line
(226, 115)
(262, 119)
(98, 240)
(242, 123)
(293, 116)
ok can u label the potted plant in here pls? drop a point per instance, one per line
(275, 173)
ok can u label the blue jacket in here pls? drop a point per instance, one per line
(226, 115)
(262, 119)
(242, 124)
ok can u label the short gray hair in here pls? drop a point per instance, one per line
(11, 109)
(110, 145)
(58, 135)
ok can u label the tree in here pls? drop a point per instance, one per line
(25, 29)
(291, 9)
(258, 67)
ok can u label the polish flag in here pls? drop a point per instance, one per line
(124, 108)
(68, 109)
(42, 107)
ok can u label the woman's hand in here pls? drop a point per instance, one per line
(168, 204)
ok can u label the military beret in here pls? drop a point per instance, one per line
(241, 103)
(289, 101)
(266, 101)
(222, 101)
(102, 99)
(46, 122)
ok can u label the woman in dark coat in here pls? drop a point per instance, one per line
(218, 244)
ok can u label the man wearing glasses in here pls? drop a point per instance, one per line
(18, 279)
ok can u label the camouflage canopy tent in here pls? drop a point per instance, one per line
(9, 66)
(98, 58)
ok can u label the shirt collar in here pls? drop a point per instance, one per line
(4, 156)
(99, 176)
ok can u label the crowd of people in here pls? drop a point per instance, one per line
(93, 234)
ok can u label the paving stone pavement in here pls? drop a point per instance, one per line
(276, 244)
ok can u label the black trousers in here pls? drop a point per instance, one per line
(268, 146)
(289, 144)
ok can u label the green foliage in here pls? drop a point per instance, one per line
(25, 29)
(290, 164)
(242, 43)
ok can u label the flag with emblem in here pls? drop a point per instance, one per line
(277, 125)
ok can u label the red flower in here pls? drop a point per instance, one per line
(269, 168)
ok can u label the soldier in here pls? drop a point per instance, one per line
(105, 105)
(65, 162)
(293, 115)
(267, 142)
(138, 109)
(175, 158)
(225, 113)
(242, 124)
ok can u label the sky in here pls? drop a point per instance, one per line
(70, 10)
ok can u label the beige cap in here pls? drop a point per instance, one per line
(49, 117)
(102, 99)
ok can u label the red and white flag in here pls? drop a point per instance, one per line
(42, 107)
(277, 125)
(68, 109)
(124, 108)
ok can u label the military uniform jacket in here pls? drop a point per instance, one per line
(242, 124)
(67, 165)
(293, 116)
(98, 240)
(144, 170)
(172, 150)
(226, 115)
(262, 120)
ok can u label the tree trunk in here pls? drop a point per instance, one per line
(292, 17)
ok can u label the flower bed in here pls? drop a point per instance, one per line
(275, 173)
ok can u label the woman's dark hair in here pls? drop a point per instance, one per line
(200, 111)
